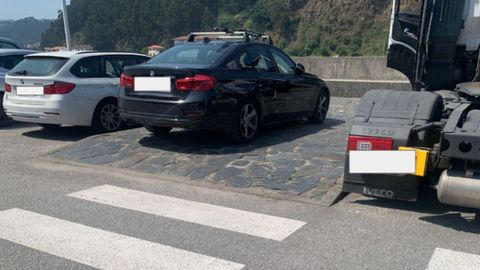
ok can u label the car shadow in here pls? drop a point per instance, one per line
(186, 141)
(67, 134)
(453, 217)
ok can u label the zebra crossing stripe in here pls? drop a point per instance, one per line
(259, 225)
(445, 259)
(98, 248)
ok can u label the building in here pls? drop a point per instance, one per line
(55, 49)
(79, 48)
(154, 50)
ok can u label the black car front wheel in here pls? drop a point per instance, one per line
(246, 123)
(158, 131)
(321, 108)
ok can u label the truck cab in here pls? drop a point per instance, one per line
(435, 44)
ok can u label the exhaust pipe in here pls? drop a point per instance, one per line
(454, 188)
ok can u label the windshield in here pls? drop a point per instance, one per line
(7, 45)
(193, 53)
(10, 61)
(38, 66)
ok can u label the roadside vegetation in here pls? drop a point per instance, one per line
(301, 27)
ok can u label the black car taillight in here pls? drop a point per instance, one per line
(126, 81)
(8, 88)
(199, 82)
(58, 88)
(362, 143)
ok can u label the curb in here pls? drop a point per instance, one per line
(334, 195)
(203, 183)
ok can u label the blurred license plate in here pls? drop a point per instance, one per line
(153, 84)
(383, 162)
(29, 90)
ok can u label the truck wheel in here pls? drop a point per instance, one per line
(321, 108)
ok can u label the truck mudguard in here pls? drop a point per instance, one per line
(395, 115)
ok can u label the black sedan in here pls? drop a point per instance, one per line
(221, 85)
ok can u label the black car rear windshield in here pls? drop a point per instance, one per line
(38, 66)
(202, 53)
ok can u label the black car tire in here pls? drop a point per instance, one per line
(107, 117)
(49, 126)
(321, 108)
(158, 131)
(246, 122)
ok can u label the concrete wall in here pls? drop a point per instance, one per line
(354, 76)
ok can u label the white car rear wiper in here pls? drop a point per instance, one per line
(21, 72)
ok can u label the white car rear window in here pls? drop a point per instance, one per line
(38, 66)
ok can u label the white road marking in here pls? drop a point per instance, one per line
(98, 248)
(445, 259)
(270, 227)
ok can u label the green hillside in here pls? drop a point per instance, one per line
(302, 27)
(25, 32)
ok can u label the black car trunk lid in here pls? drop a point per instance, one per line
(147, 71)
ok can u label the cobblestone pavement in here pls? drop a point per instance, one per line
(294, 158)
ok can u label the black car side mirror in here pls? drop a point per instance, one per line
(300, 69)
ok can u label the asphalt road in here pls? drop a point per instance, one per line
(57, 216)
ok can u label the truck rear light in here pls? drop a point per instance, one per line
(199, 82)
(361, 143)
(58, 88)
(126, 81)
(8, 88)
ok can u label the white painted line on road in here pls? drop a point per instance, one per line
(265, 226)
(98, 248)
(445, 259)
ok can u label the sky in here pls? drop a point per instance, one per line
(40, 9)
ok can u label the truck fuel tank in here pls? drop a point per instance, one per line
(456, 188)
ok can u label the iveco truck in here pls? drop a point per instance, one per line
(431, 134)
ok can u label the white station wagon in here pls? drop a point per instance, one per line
(68, 88)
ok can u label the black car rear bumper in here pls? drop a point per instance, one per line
(197, 115)
(158, 120)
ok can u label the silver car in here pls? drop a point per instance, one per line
(68, 88)
(9, 58)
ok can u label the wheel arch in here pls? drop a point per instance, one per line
(323, 86)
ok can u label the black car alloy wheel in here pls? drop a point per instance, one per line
(248, 121)
(321, 108)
